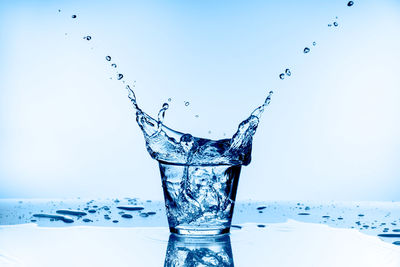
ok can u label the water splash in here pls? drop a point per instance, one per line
(306, 50)
(350, 3)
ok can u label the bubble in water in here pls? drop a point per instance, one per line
(120, 76)
(73, 16)
(282, 76)
(187, 103)
(306, 50)
(350, 3)
(114, 65)
(314, 43)
(335, 24)
(88, 37)
(108, 58)
(288, 72)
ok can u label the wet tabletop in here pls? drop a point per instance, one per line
(134, 232)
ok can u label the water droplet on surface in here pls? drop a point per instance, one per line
(306, 50)
(114, 65)
(261, 225)
(127, 216)
(108, 58)
(71, 212)
(151, 213)
(87, 220)
(236, 226)
(397, 243)
(92, 211)
(303, 213)
(288, 72)
(130, 207)
(73, 16)
(314, 43)
(282, 76)
(144, 215)
(350, 3)
(120, 76)
(329, 25)
(261, 207)
(335, 24)
(187, 103)
(115, 221)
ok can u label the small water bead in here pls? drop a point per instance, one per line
(165, 106)
(73, 16)
(120, 76)
(282, 76)
(127, 216)
(114, 65)
(187, 103)
(306, 50)
(335, 24)
(108, 58)
(314, 43)
(196, 115)
(169, 99)
(59, 10)
(288, 72)
(350, 3)
(87, 220)
(329, 25)
(131, 208)
(88, 38)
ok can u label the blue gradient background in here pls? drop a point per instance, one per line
(332, 130)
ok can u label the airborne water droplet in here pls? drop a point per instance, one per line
(329, 25)
(282, 76)
(169, 99)
(288, 72)
(196, 115)
(314, 43)
(120, 76)
(335, 24)
(114, 65)
(73, 16)
(350, 3)
(187, 103)
(306, 50)
(87, 37)
(108, 58)
(165, 106)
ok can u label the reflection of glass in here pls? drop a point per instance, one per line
(199, 199)
(185, 251)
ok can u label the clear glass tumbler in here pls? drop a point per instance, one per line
(199, 199)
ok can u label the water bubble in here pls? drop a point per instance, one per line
(261, 225)
(73, 16)
(350, 3)
(114, 65)
(187, 103)
(282, 76)
(108, 58)
(120, 76)
(288, 72)
(306, 50)
(314, 43)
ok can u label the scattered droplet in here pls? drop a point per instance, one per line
(397, 243)
(314, 43)
(165, 106)
(120, 76)
(282, 76)
(335, 24)
(236, 226)
(261, 207)
(329, 25)
(307, 208)
(107, 217)
(130, 207)
(169, 99)
(114, 65)
(144, 214)
(288, 72)
(306, 50)
(389, 235)
(108, 58)
(196, 115)
(71, 212)
(303, 213)
(73, 16)
(127, 216)
(59, 10)
(87, 220)
(209, 132)
(151, 213)
(88, 38)
(261, 225)
(92, 211)
(350, 3)
(396, 230)
(115, 221)
(52, 217)
(187, 103)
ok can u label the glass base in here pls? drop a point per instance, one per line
(199, 231)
